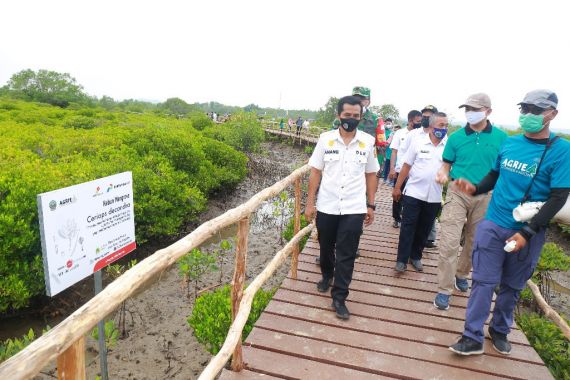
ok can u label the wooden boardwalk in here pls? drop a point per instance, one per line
(394, 330)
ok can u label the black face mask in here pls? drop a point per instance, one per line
(417, 125)
(349, 125)
(425, 121)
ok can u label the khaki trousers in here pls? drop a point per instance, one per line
(458, 211)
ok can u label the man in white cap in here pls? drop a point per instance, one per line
(469, 153)
(533, 166)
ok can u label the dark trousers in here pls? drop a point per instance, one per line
(386, 170)
(417, 219)
(340, 232)
(397, 206)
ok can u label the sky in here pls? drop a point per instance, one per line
(296, 54)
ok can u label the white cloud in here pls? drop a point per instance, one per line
(410, 53)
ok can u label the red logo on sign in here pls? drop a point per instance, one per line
(69, 263)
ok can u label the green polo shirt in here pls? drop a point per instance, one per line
(473, 154)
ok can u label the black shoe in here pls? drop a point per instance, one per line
(400, 267)
(318, 261)
(467, 346)
(500, 342)
(430, 244)
(357, 253)
(324, 284)
(417, 264)
(341, 310)
(396, 224)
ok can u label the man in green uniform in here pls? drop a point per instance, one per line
(369, 120)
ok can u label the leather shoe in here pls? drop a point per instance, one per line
(400, 267)
(324, 284)
(341, 309)
(396, 224)
(431, 244)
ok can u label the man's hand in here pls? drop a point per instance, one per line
(464, 186)
(442, 177)
(310, 212)
(519, 239)
(396, 194)
(392, 174)
(369, 218)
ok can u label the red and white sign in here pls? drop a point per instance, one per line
(85, 228)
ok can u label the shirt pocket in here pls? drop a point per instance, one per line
(331, 158)
(358, 164)
(424, 155)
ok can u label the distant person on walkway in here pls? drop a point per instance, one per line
(534, 166)
(306, 125)
(382, 133)
(299, 124)
(290, 124)
(369, 120)
(469, 153)
(389, 131)
(422, 194)
(345, 166)
(414, 122)
(281, 125)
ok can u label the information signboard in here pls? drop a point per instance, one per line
(85, 228)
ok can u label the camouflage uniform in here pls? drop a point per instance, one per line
(369, 120)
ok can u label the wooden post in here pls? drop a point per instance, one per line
(296, 228)
(237, 284)
(71, 363)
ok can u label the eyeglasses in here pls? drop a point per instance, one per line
(535, 110)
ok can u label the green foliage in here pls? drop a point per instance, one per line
(176, 106)
(243, 132)
(547, 339)
(200, 120)
(11, 347)
(193, 266)
(327, 114)
(222, 255)
(111, 333)
(212, 316)
(309, 149)
(288, 233)
(175, 168)
(46, 87)
(552, 258)
(387, 111)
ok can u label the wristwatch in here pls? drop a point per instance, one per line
(373, 207)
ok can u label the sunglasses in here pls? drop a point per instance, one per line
(531, 108)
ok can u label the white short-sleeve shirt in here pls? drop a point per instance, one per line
(343, 183)
(397, 141)
(425, 159)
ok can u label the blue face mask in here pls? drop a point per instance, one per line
(439, 133)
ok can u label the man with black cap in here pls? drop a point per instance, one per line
(533, 166)
(469, 153)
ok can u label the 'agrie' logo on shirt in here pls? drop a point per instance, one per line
(519, 167)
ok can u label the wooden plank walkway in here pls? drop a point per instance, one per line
(304, 136)
(394, 330)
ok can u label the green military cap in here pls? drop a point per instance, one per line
(362, 91)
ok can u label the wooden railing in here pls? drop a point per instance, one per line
(66, 343)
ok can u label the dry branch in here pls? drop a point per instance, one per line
(549, 312)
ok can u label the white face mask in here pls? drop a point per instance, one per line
(474, 117)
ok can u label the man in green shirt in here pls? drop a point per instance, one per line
(470, 153)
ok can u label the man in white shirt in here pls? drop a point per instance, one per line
(414, 122)
(427, 111)
(344, 164)
(422, 194)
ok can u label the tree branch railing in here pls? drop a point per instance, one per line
(64, 342)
